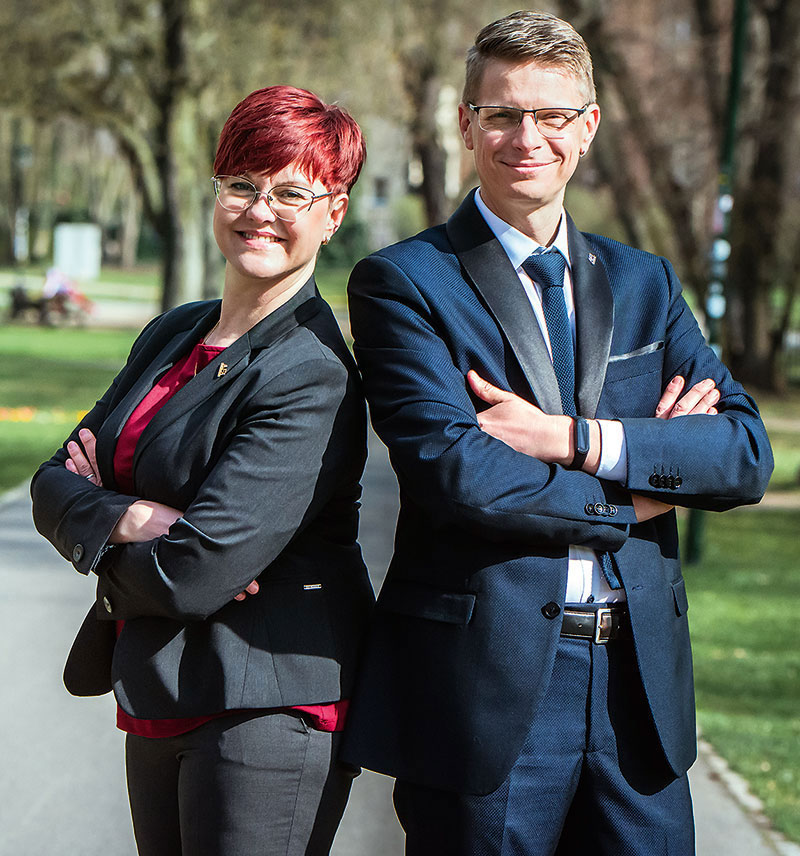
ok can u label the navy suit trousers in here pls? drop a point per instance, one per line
(585, 782)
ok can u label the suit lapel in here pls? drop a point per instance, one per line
(228, 365)
(594, 320)
(488, 267)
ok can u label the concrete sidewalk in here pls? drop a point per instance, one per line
(62, 790)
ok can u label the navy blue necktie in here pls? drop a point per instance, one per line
(547, 269)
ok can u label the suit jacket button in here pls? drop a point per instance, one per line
(551, 610)
(107, 605)
(590, 508)
(654, 480)
(77, 553)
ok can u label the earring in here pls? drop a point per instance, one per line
(582, 153)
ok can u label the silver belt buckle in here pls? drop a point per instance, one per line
(603, 625)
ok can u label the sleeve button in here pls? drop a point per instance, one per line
(590, 508)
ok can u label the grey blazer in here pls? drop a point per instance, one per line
(263, 451)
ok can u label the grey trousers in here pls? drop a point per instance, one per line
(248, 784)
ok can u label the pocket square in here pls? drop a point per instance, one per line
(639, 352)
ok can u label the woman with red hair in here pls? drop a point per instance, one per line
(214, 492)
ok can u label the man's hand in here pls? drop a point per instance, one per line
(701, 399)
(522, 425)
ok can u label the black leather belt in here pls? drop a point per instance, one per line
(600, 623)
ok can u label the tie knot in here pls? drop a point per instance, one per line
(546, 268)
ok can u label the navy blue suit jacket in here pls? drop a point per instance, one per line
(466, 630)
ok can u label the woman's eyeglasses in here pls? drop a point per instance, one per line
(286, 201)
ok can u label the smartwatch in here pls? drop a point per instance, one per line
(582, 442)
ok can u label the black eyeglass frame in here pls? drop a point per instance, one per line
(216, 180)
(476, 108)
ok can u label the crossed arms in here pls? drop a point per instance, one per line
(529, 430)
(416, 340)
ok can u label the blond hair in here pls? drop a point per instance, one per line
(529, 37)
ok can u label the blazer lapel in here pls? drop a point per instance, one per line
(594, 320)
(489, 268)
(147, 372)
(226, 367)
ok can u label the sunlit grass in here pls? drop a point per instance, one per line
(47, 378)
(746, 642)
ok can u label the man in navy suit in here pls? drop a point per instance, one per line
(529, 677)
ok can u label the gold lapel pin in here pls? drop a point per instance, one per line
(592, 258)
(222, 370)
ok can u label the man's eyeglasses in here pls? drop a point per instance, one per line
(286, 201)
(551, 121)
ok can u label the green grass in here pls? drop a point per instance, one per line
(782, 418)
(786, 449)
(746, 642)
(47, 377)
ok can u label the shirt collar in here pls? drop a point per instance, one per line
(516, 245)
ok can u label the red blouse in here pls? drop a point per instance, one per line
(325, 717)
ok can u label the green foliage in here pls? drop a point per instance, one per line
(408, 215)
(332, 284)
(747, 652)
(348, 246)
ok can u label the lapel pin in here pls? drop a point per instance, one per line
(592, 258)
(222, 370)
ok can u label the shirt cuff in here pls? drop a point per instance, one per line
(613, 451)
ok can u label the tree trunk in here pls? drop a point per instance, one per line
(755, 336)
(423, 86)
(168, 102)
(130, 231)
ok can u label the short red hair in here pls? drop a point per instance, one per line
(279, 125)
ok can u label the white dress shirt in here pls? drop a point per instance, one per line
(585, 580)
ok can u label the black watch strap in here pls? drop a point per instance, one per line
(582, 442)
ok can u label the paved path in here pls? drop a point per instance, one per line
(62, 791)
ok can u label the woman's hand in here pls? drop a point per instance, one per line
(143, 521)
(83, 462)
(251, 589)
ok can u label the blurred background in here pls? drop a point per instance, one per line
(109, 117)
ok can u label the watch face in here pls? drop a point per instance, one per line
(582, 440)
